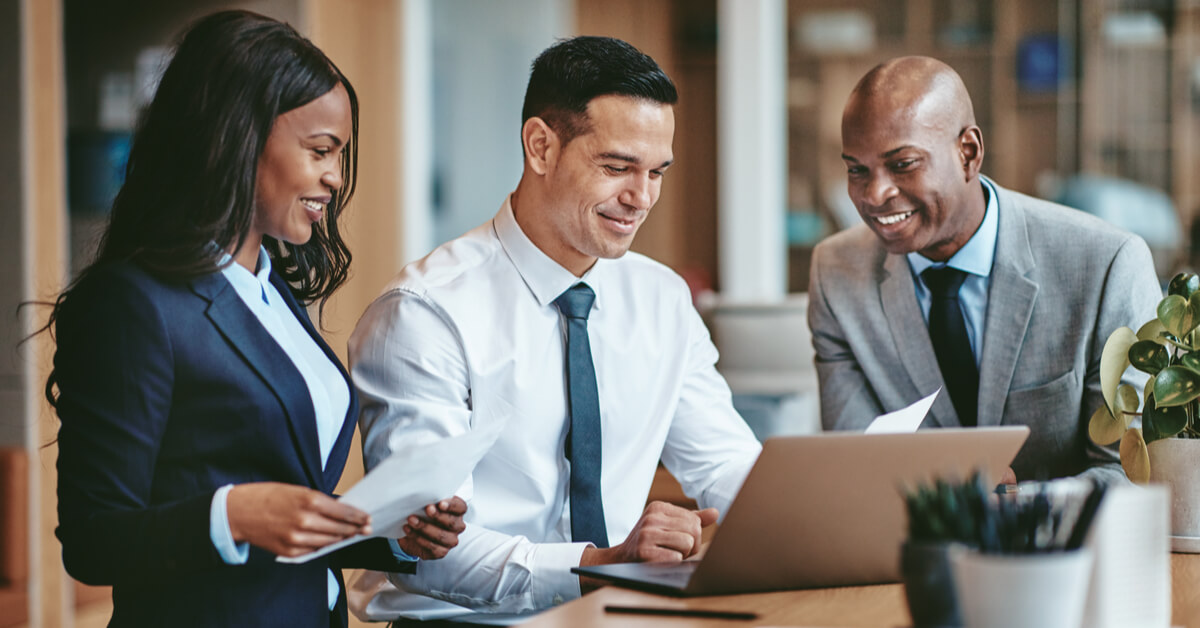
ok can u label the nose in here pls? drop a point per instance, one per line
(879, 189)
(640, 192)
(332, 178)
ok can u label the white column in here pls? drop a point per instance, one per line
(752, 149)
(417, 130)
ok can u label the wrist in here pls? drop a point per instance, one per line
(232, 512)
(593, 555)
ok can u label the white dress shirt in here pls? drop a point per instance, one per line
(328, 390)
(469, 335)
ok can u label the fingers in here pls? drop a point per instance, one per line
(667, 532)
(333, 510)
(1009, 477)
(433, 536)
(664, 545)
(455, 506)
(427, 545)
(290, 520)
(708, 516)
(299, 543)
(440, 535)
(447, 515)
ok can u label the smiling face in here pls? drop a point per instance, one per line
(595, 192)
(912, 168)
(298, 172)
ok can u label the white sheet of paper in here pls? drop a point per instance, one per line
(904, 420)
(408, 480)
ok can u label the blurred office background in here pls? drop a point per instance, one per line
(1092, 102)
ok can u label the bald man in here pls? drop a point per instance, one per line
(1019, 296)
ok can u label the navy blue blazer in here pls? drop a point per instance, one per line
(168, 391)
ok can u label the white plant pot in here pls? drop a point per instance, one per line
(1030, 590)
(1175, 463)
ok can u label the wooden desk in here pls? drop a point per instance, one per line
(850, 607)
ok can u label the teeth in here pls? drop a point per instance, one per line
(893, 219)
(313, 205)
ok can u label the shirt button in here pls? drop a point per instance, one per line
(558, 599)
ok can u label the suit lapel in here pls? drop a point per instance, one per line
(912, 337)
(1011, 297)
(341, 446)
(256, 346)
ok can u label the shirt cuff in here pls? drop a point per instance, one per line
(332, 588)
(552, 582)
(399, 552)
(218, 530)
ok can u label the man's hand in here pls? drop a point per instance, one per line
(432, 536)
(290, 520)
(1009, 477)
(664, 533)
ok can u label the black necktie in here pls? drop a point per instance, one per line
(948, 331)
(583, 400)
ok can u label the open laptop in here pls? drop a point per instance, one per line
(823, 510)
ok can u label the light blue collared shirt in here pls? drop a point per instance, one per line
(327, 388)
(974, 258)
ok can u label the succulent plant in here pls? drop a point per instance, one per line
(1168, 349)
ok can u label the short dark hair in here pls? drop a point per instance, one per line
(569, 74)
(193, 163)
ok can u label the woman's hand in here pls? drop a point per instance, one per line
(432, 536)
(290, 520)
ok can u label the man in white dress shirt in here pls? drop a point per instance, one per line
(479, 331)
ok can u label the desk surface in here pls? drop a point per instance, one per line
(850, 607)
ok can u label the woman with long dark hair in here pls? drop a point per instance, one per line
(204, 422)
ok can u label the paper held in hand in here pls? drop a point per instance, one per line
(408, 480)
(904, 420)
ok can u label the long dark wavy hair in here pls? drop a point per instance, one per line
(191, 176)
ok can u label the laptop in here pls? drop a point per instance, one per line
(823, 510)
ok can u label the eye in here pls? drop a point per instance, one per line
(615, 169)
(856, 171)
(904, 164)
(658, 173)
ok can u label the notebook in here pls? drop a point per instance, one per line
(823, 510)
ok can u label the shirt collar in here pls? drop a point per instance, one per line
(248, 284)
(976, 256)
(546, 278)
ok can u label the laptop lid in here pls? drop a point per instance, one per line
(827, 509)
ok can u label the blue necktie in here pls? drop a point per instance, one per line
(583, 439)
(948, 331)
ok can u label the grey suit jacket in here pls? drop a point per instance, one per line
(1061, 282)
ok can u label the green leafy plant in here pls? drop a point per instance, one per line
(1168, 349)
(971, 514)
(945, 512)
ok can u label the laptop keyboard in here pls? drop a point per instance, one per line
(675, 574)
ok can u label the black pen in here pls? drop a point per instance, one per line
(679, 612)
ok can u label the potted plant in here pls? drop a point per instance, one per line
(964, 540)
(1162, 446)
(940, 516)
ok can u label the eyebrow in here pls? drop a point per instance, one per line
(631, 159)
(336, 140)
(885, 155)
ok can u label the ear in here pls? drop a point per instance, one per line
(541, 145)
(970, 151)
